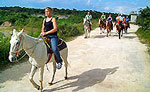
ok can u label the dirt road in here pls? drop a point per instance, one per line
(97, 64)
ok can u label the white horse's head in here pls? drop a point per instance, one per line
(15, 45)
(86, 22)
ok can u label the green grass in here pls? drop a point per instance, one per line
(144, 37)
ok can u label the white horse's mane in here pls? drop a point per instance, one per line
(33, 38)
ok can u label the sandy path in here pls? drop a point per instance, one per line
(97, 64)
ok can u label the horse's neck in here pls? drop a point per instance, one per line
(29, 43)
(84, 21)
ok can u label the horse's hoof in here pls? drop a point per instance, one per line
(66, 78)
(50, 84)
(38, 88)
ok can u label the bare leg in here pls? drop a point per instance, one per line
(33, 70)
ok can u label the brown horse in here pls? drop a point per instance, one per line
(108, 27)
(126, 26)
(120, 28)
(102, 25)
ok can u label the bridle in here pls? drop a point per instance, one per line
(18, 46)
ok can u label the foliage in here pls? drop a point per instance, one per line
(143, 20)
(4, 49)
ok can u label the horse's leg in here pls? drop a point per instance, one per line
(125, 29)
(103, 30)
(54, 71)
(117, 31)
(33, 70)
(89, 33)
(122, 32)
(85, 33)
(100, 30)
(64, 56)
(107, 32)
(41, 77)
(110, 32)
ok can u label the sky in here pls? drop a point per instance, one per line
(114, 6)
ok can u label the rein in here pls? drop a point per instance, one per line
(18, 47)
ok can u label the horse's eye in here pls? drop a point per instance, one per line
(17, 42)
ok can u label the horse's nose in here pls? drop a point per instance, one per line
(12, 58)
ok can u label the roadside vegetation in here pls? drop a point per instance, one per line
(143, 20)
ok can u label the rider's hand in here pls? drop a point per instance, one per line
(42, 33)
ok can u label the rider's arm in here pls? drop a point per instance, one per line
(54, 27)
(86, 17)
(90, 17)
(104, 17)
(43, 27)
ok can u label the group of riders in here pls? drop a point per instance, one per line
(120, 20)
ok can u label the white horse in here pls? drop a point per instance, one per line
(86, 28)
(37, 52)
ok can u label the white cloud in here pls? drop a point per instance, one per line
(120, 9)
(88, 2)
(106, 8)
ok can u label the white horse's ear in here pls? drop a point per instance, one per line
(20, 32)
(14, 31)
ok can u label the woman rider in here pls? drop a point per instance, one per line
(49, 29)
(110, 19)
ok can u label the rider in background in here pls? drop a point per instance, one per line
(127, 20)
(118, 19)
(110, 19)
(89, 18)
(121, 19)
(103, 17)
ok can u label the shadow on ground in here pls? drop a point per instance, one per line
(16, 72)
(99, 36)
(86, 79)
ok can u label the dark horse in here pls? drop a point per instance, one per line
(108, 27)
(126, 26)
(102, 25)
(120, 28)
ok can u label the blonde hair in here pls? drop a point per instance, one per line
(49, 9)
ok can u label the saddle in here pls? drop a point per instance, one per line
(61, 45)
